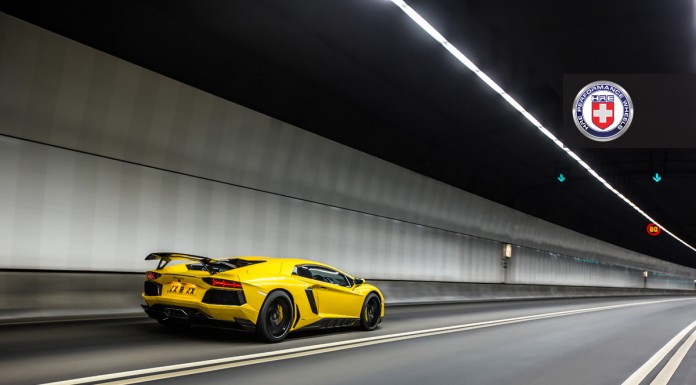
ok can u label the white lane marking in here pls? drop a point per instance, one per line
(639, 375)
(213, 368)
(668, 371)
(249, 359)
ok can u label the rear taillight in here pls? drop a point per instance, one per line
(222, 283)
(151, 275)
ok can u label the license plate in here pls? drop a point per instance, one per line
(181, 289)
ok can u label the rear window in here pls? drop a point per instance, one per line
(238, 262)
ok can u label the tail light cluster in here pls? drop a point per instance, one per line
(222, 283)
(151, 275)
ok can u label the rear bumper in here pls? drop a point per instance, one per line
(194, 316)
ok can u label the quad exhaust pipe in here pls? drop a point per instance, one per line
(176, 313)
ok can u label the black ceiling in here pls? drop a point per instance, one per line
(361, 73)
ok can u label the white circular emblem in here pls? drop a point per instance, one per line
(602, 111)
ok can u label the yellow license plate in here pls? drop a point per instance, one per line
(182, 289)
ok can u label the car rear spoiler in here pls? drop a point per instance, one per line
(165, 258)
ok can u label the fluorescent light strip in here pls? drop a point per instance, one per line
(495, 87)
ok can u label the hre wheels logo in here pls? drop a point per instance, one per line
(603, 111)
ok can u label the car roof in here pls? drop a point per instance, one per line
(274, 259)
(294, 261)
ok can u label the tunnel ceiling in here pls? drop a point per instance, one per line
(361, 73)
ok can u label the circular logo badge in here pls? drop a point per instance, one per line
(602, 111)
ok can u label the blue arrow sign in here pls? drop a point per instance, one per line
(561, 178)
(657, 178)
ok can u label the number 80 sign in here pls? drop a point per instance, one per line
(653, 229)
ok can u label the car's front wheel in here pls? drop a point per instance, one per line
(275, 317)
(371, 312)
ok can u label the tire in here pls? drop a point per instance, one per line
(370, 315)
(275, 317)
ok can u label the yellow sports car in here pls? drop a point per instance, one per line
(268, 296)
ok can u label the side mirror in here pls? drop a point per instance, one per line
(359, 281)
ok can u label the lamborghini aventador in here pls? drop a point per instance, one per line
(268, 296)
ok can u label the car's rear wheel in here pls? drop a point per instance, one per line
(275, 317)
(371, 312)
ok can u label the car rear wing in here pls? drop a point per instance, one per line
(165, 258)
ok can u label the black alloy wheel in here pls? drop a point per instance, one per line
(275, 317)
(371, 312)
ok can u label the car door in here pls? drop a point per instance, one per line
(334, 291)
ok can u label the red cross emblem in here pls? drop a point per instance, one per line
(602, 114)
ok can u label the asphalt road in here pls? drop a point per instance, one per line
(554, 342)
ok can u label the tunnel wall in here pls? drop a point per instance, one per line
(541, 267)
(88, 295)
(103, 162)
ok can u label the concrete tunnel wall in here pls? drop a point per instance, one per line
(103, 162)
